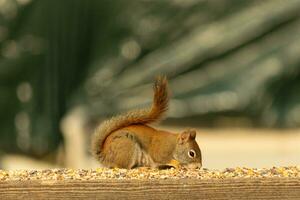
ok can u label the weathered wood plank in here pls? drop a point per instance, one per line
(229, 188)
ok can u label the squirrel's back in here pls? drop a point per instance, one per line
(141, 116)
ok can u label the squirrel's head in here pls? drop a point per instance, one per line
(187, 151)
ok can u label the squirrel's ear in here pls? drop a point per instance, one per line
(183, 137)
(192, 134)
(186, 136)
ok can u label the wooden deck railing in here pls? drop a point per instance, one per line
(241, 183)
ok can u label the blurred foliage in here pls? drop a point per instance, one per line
(226, 59)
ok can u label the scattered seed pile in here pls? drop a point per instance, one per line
(145, 173)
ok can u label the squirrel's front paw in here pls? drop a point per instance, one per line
(144, 168)
(172, 164)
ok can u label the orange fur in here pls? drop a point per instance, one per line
(142, 116)
(126, 141)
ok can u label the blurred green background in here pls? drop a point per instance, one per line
(229, 62)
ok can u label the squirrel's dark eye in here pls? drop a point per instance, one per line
(192, 153)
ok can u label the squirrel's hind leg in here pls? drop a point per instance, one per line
(122, 150)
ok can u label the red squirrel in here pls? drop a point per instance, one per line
(126, 141)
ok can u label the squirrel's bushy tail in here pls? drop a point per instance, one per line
(142, 116)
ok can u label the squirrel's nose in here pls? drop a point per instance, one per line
(199, 165)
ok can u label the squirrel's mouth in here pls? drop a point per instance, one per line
(193, 165)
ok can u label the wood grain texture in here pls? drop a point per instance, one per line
(241, 188)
